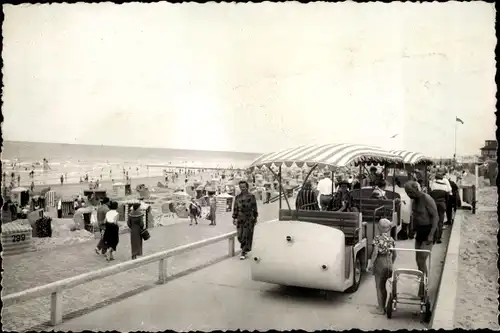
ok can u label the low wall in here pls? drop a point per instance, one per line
(444, 308)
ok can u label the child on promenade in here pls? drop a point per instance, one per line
(381, 262)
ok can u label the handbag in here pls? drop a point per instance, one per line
(145, 234)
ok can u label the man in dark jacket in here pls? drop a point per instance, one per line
(439, 192)
(453, 203)
(244, 218)
(101, 220)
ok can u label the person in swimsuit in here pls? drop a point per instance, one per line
(381, 262)
(425, 222)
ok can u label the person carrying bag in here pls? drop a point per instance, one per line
(138, 232)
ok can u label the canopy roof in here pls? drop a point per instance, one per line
(328, 155)
(410, 157)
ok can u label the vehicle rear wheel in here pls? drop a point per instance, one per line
(356, 276)
(427, 313)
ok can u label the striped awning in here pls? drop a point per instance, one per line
(410, 157)
(328, 155)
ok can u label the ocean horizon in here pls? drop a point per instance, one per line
(108, 162)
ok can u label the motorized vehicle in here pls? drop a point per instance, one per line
(421, 300)
(325, 250)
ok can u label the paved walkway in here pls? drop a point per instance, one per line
(222, 296)
(39, 268)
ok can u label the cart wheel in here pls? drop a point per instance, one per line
(427, 312)
(356, 276)
(388, 308)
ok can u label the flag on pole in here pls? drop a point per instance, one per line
(459, 120)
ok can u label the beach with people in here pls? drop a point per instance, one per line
(68, 171)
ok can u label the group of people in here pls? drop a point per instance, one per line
(428, 211)
(194, 210)
(107, 219)
(430, 206)
(328, 198)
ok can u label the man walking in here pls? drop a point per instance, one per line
(453, 203)
(325, 189)
(439, 192)
(101, 221)
(244, 218)
(425, 220)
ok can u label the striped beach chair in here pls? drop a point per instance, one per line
(50, 199)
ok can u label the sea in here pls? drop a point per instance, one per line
(74, 161)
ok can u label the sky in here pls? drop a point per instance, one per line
(251, 77)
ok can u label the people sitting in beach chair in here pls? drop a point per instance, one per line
(343, 200)
(307, 198)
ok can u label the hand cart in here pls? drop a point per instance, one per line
(422, 299)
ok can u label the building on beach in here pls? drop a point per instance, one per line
(489, 151)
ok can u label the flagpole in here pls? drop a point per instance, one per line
(455, 154)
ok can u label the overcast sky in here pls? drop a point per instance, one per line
(251, 77)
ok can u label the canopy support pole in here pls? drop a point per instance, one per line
(309, 174)
(425, 176)
(279, 183)
(281, 189)
(361, 187)
(333, 180)
(393, 178)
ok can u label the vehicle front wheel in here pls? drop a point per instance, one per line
(389, 306)
(356, 276)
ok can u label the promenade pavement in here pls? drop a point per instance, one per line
(34, 269)
(223, 296)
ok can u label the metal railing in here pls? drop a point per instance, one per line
(56, 289)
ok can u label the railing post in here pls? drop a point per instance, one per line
(56, 311)
(162, 271)
(231, 246)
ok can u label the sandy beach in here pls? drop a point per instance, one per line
(477, 290)
(62, 234)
